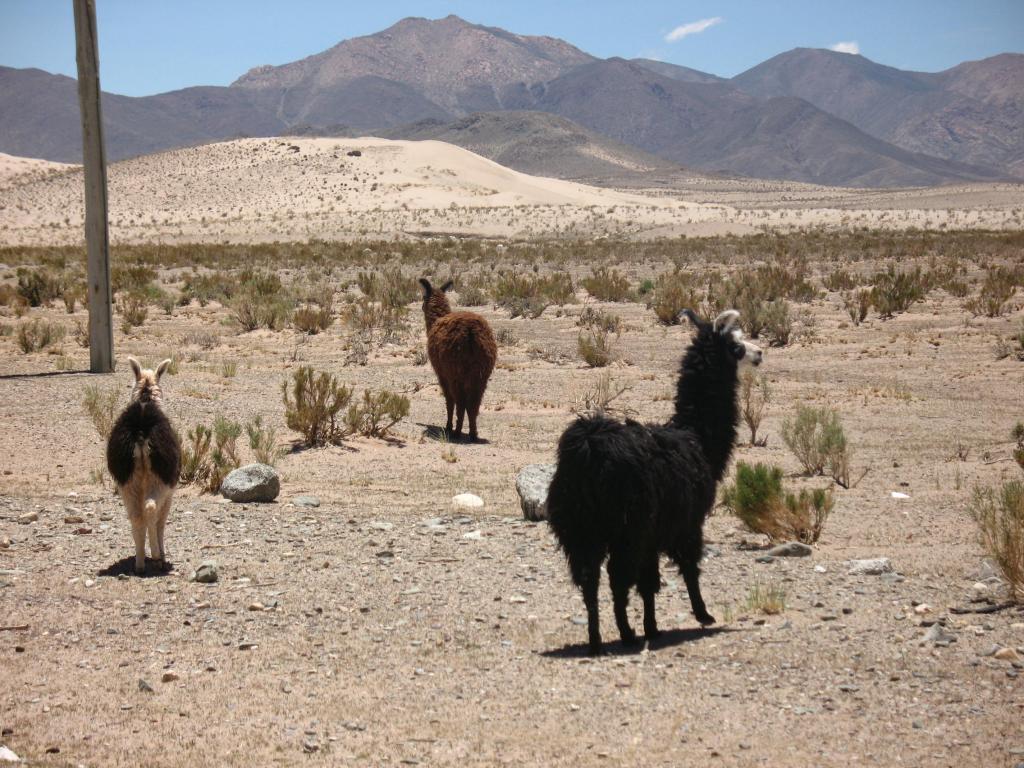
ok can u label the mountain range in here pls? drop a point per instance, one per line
(541, 105)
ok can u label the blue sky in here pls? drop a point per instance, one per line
(149, 46)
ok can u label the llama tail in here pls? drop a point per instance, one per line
(149, 508)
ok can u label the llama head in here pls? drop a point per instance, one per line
(435, 303)
(726, 336)
(147, 382)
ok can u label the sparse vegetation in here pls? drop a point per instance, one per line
(757, 498)
(263, 441)
(754, 397)
(38, 334)
(606, 284)
(816, 437)
(101, 407)
(999, 514)
(769, 599)
(596, 347)
(377, 413)
(313, 404)
(671, 293)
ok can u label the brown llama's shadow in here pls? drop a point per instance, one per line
(440, 434)
(126, 567)
(668, 638)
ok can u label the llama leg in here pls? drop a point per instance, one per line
(460, 408)
(621, 579)
(691, 575)
(161, 523)
(473, 407)
(449, 404)
(154, 537)
(139, 534)
(586, 574)
(648, 586)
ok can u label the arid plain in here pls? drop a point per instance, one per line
(385, 626)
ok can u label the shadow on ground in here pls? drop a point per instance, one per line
(126, 567)
(669, 638)
(440, 434)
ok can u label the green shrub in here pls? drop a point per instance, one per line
(671, 293)
(38, 334)
(204, 288)
(595, 347)
(224, 454)
(525, 295)
(39, 286)
(313, 405)
(263, 441)
(598, 319)
(894, 292)
(778, 324)
(608, 285)
(840, 280)
(816, 438)
(1018, 435)
(755, 395)
(312, 319)
(101, 407)
(857, 303)
(261, 301)
(759, 501)
(378, 412)
(195, 456)
(1000, 518)
(132, 278)
(133, 310)
(993, 300)
(366, 316)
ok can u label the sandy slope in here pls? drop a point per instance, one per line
(21, 170)
(295, 189)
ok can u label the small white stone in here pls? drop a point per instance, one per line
(473, 536)
(898, 495)
(922, 609)
(467, 501)
(7, 756)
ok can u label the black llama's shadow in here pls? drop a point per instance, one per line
(126, 567)
(667, 639)
(440, 434)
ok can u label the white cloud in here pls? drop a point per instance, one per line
(693, 28)
(846, 47)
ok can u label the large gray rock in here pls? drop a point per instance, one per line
(532, 485)
(253, 482)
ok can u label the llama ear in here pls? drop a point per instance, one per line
(447, 286)
(160, 369)
(136, 368)
(427, 287)
(725, 321)
(690, 315)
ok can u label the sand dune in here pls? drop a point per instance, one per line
(289, 188)
(21, 169)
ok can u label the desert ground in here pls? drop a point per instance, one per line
(387, 627)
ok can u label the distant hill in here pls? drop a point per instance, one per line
(972, 113)
(538, 143)
(806, 115)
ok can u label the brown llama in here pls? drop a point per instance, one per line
(462, 351)
(144, 458)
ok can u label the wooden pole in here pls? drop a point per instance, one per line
(101, 327)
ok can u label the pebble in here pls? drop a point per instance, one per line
(1007, 654)
(467, 501)
(73, 519)
(310, 746)
(922, 608)
(144, 686)
(791, 549)
(939, 636)
(306, 501)
(206, 573)
(820, 569)
(8, 756)
(871, 567)
(765, 559)
(28, 517)
(169, 677)
(381, 525)
(257, 606)
(473, 536)
(246, 646)
(5, 543)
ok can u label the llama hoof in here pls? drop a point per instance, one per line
(705, 619)
(652, 633)
(140, 570)
(630, 640)
(596, 650)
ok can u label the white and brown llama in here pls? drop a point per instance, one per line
(144, 458)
